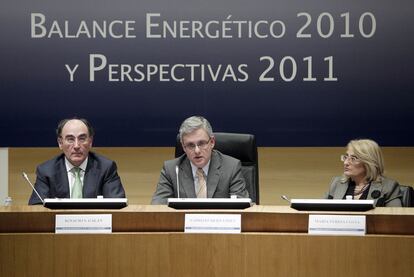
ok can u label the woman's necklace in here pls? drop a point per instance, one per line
(360, 191)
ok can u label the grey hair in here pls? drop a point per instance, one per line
(194, 123)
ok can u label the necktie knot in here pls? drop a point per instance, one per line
(76, 170)
(200, 172)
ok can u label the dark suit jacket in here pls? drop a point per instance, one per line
(224, 179)
(387, 192)
(101, 178)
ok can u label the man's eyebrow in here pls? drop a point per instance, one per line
(81, 135)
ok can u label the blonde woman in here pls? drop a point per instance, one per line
(363, 176)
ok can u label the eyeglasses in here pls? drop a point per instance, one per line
(201, 145)
(351, 158)
(72, 140)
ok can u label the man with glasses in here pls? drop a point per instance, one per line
(202, 171)
(77, 172)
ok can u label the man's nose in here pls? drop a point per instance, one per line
(77, 143)
(197, 149)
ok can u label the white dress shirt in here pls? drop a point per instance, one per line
(195, 176)
(71, 175)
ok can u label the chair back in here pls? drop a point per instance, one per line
(242, 147)
(407, 198)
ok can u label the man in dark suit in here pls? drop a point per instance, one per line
(77, 172)
(202, 171)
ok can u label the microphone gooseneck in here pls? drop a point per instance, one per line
(284, 197)
(30, 183)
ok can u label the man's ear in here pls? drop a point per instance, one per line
(213, 141)
(59, 141)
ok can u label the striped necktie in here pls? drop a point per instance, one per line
(202, 186)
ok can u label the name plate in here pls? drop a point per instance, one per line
(352, 225)
(213, 223)
(83, 224)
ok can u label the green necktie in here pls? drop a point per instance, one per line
(77, 185)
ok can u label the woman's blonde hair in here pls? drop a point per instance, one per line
(370, 154)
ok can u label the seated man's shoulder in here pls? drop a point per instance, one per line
(49, 167)
(225, 158)
(100, 158)
(52, 162)
(176, 161)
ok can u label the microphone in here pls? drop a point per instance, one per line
(30, 183)
(284, 197)
(178, 182)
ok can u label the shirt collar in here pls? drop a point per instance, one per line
(205, 168)
(69, 166)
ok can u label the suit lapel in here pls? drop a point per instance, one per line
(90, 179)
(186, 179)
(375, 186)
(62, 181)
(213, 177)
(340, 191)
